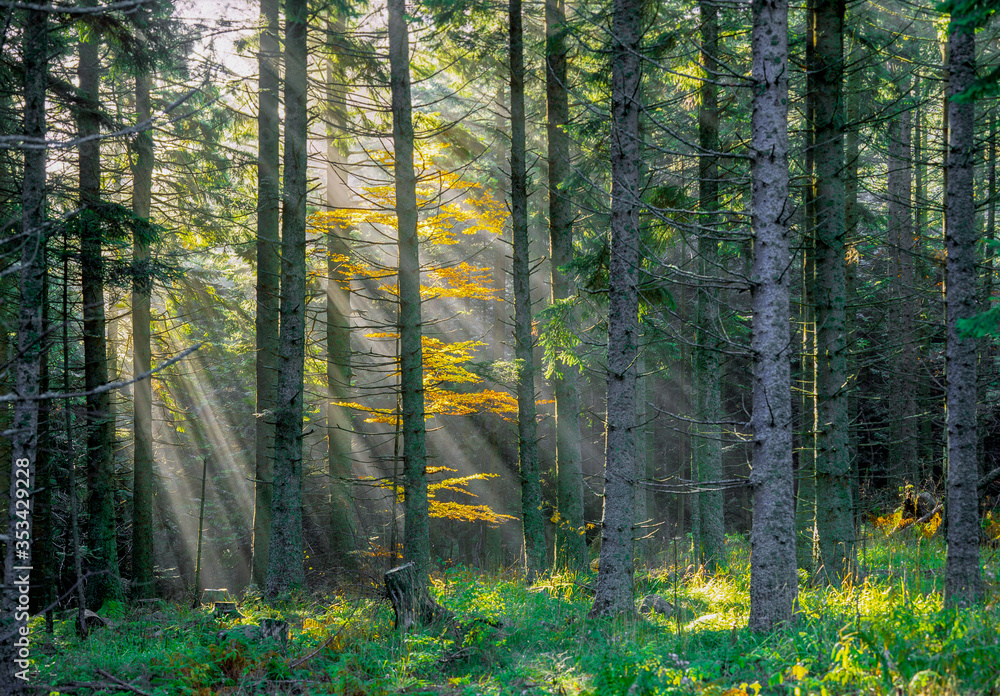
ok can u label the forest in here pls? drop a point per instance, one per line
(460, 347)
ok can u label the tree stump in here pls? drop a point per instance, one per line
(274, 629)
(91, 621)
(223, 610)
(410, 599)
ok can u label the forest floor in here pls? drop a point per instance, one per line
(886, 634)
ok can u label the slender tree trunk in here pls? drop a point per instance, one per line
(285, 570)
(805, 476)
(903, 453)
(8, 318)
(71, 487)
(28, 363)
(641, 442)
(652, 451)
(416, 533)
(835, 528)
(926, 449)
(963, 579)
(43, 522)
(945, 124)
(991, 217)
(338, 321)
(142, 484)
(773, 583)
(987, 370)
(805, 503)
(614, 592)
(572, 544)
(907, 308)
(851, 261)
(527, 429)
(499, 255)
(101, 534)
(500, 249)
(708, 365)
(991, 221)
(268, 276)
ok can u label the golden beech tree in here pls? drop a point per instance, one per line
(450, 208)
(443, 364)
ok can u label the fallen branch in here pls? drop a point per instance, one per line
(124, 685)
(97, 687)
(923, 520)
(988, 479)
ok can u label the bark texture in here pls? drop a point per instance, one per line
(416, 533)
(527, 429)
(614, 592)
(142, 405)
(411, 602)
(773, 585)
(572, 543)
(707, 359)
(268, 275)
(285, 570)
(963, 579)
(101, 536)
(30, 344)
(834, 525)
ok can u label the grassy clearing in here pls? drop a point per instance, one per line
(887, 634)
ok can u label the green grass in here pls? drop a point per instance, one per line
(886, 634)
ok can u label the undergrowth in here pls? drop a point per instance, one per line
(884, 633)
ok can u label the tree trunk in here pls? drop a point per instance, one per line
(338, 319)
(572, 542)
(416, 533)
(527, 429)
(773, 583)
(834, 526)
(805, 475)
(927, 449)
(851, 262)
(27, 365)
(44, 562)
(73, 531)
(614, 592)
(101, 534)
(805, 502)
(641, 443)
(903, 453)
(142, 484)
(285, 570)
(268, 275)
(708, 365)
(963, 580)
(411, 602)
(8, 333)
(988, 373)
(499, 250)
